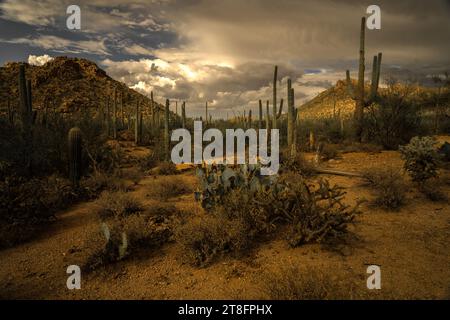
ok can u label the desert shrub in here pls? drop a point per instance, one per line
(124, 236)
(209, 237)
(328, 152)
(241, 205)
(421, 158)
(388, 185)
(351, 146)
(299, 165)
(156, 155)
(27, 205)
(394, 118)
(315, 213)
(291, 283)
(98, 182)
(433, 191)
(166, 168)
(134, 175)
(168, 187)
(116, 205)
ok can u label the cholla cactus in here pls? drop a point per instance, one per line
(421, 158)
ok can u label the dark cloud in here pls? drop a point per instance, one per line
(224, 51)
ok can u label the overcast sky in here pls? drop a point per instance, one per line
(224, 51)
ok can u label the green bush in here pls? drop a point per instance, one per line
(421, 159)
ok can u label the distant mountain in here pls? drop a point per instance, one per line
(67, 85)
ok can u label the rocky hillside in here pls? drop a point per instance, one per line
(332, 101)
(67, 85)
(336, 100)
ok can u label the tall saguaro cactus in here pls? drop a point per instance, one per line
(114, 117)
(75, 160)
(10, 113)
(108, 118)
(26, 109)
(137, 135)
(267, 115)
(206, 112)
(260, 118)
(359, 111)
(23, 98)
(183, 115)
(290, 115)
(166, 131)
(358, 93)
(274, 107)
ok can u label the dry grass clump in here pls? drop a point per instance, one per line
(432, 189)
(205, 239)
(291, 283)
(328, 151)
(126, 228)
(166, 168)
(168, 187)
(360, 147)
(299, 164)
(116, 204)
(388, 186)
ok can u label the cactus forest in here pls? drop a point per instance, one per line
(352, 112)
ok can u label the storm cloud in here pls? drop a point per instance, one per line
(224, 51)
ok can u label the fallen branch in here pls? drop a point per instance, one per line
(338, 173)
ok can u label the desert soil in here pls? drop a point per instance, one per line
(411, 246)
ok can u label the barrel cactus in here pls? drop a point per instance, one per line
(75, 165)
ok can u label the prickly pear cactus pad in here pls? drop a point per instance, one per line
(218, 180)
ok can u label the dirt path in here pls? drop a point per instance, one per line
(411, 246)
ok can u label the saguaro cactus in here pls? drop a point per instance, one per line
(260, 119)
(75, 163)
(206, 112)
(114, 117)
(137, 136)
(359, 111)
(267, 115)
(166, 131)
(10, 113)
(291, 121)
(108, 119)
(26, 116)
(274, 107)
(358, 93)
(249, 119)
(183, 115)
(122, 113)
(23, 98)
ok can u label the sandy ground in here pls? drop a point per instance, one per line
(411, 246)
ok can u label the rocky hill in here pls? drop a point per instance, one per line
(334, 100)
(66, 85)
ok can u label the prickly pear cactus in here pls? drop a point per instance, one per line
(115, 248)
(217, 180)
